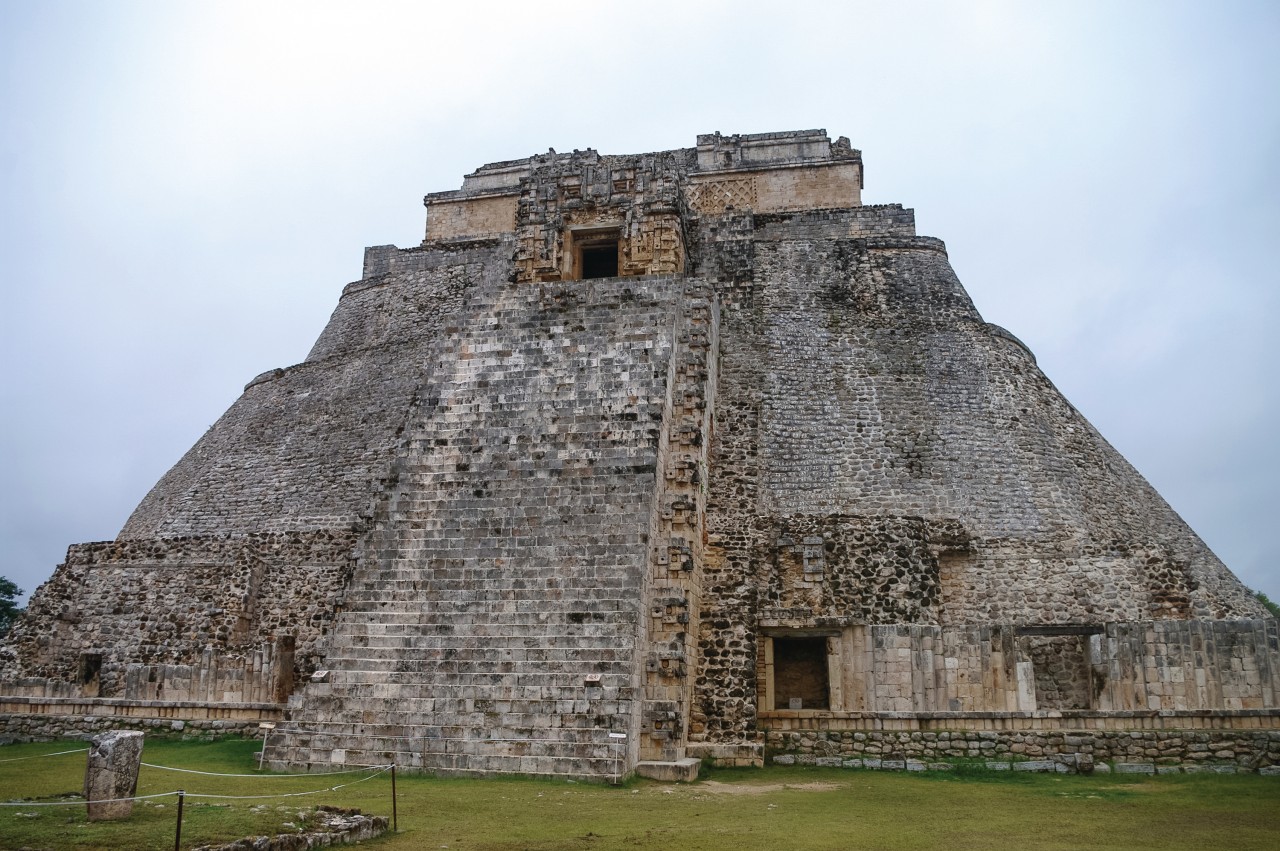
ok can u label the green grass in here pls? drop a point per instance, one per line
(776, 808)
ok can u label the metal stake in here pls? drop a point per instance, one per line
(395, 824)
(177, 836)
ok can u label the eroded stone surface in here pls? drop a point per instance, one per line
(111, 776)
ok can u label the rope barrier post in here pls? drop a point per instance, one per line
(618, 740)
(266, 727)
(177, 836)
(395, 823)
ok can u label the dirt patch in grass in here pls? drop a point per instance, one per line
(719, 788)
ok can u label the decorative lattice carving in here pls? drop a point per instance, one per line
(715, 196)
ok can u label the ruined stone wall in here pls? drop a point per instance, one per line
(1184, 666)
(1188, 665)
(1067, 750)
(725, 685)
(262, 675)
(1062, 674)
(840, 569)
(46, 726)
(858, 381)
(168, 601)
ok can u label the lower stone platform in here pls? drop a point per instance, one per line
(1168, 749)
(673, 771)
(26, 719)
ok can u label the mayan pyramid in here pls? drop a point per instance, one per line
(643, 459)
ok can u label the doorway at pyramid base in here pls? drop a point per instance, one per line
(1181, 695)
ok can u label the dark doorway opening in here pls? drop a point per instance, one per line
(800, 678)
(90, 674)
(600, 259)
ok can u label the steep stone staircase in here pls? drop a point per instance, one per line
(494, 622)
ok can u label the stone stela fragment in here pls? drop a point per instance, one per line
(641, 460)
(111, 774)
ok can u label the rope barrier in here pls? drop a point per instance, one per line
(82, 801)
(43, 755)
(259, 776)
(381, 769)
(384, 770)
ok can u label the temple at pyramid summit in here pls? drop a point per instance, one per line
(639, 461)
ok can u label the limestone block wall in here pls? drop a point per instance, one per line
(874, 221)
(494, 622)
(1212, 745)
(858, 381)
(910, 668)
(168, 601)
(471, 216)
(43, 721)
(261, 675)
(769, 172)
(1183, 666)
(308, 447)
(1192, 665)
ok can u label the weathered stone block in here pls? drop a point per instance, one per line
(111, 775)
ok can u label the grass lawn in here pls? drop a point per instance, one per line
(775, 808)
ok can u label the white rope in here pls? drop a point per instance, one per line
(81, 802)
(259, 776)
(43, 755)
(289, 794)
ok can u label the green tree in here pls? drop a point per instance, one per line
(9, 611)
(1274, 608)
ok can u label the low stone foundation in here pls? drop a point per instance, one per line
(1066, 751)
(46, 719)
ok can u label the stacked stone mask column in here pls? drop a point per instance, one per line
(676, 573)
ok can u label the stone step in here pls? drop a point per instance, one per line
(498, 651)
(428, 575)
(459, 732)
(500, 724)
(444, 666)
(441, 680)
(423, 698)
(461, 627)
(593, 763)
(589, 581)
(562, 593)
(429, 622)
(388, 704)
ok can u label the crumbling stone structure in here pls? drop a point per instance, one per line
(637, 460)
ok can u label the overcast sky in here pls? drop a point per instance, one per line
(188, 186)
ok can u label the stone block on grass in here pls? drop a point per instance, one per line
(111, 775)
